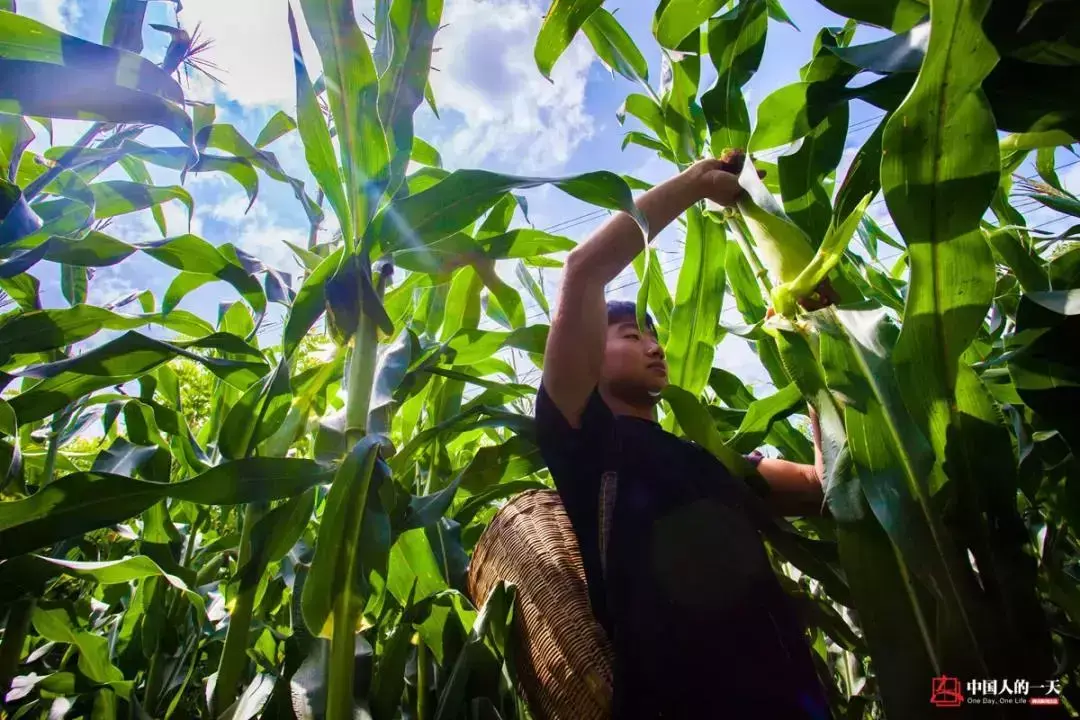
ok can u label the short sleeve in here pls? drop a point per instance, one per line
(574, 455)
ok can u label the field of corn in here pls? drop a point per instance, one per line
(198, 522)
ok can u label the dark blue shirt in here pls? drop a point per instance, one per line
(697, 618)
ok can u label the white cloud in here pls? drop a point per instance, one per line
(251, 45)
(509, 111)
(258, 231)
(60, 14)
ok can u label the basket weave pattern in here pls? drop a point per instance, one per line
(562, 655)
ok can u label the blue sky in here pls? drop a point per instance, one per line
(497, 113)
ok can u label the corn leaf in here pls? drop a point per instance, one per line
(562, 21)
(315, 135)
(48, 73)
(352, 89)
(85, 501)
(278, 125)
(895, 15)
(337, 585)
(615, 47)
(454, 203)
(678, 18)
(736, 43)
(412, 27)
(699, 298)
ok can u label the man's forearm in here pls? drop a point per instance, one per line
(610, 249)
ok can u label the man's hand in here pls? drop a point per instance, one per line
(717, 179)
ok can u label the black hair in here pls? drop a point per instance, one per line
(625, 311)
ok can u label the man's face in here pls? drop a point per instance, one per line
(634, 365)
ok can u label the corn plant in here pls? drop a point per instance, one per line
(941, 381)
(198, 524)
(195, 523)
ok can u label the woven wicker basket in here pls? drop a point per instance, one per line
(562, 655)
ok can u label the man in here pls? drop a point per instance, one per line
(677, 572)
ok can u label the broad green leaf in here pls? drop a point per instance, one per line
(337, 585)
(534, 288)
(423, 153)
(895, 15)
(56, 625)
(679, 18)
(105, 84)
(260, 411)
(111, 572)
(562, 21)
(803, 173)
(309, 304)
(124, 25)
(192, 254)
(694, 420)
(863, 175)
(119, 197)
(1066, 205)
(894, 462)
(736, 43)
(278, 125)
(899, 53)
(939, 172)
(615, 47)
(352, 88)
(412, 27)
(644, 109)
(73, 283)
(315, 135)
(85, 501)
(1044, 371)
(123, 359)
(760, 416)
(464, 195)
(699, 298)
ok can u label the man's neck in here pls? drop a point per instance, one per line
(622, 407)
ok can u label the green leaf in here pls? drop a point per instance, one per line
(124, 25)
(80, 502)
(760, 416)
(1067, 205)
(1044, 370)
(561, 23)
(337, 585)
(352, 89)
(112, 572)
(699, 299)
(614, 46)
(278, 125)
(123, 359)
(412, 27)
(679, 18)
(73, 284)
(895, 466)
(38, 76)
(318, 148)
(939, 171)
(423, 153)
(56, 625)
(644, 109)
(309, 304)
(119, 197)
(454, 203)
(695, 421)
(900, 53)
(895, 15)
(803, 173)
(192, 254)
(863, 175)
(260, 411)
(736, 44)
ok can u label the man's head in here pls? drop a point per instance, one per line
(634, 368)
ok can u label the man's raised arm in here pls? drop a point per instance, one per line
(575, 347)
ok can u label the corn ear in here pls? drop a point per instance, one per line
(782, 246)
